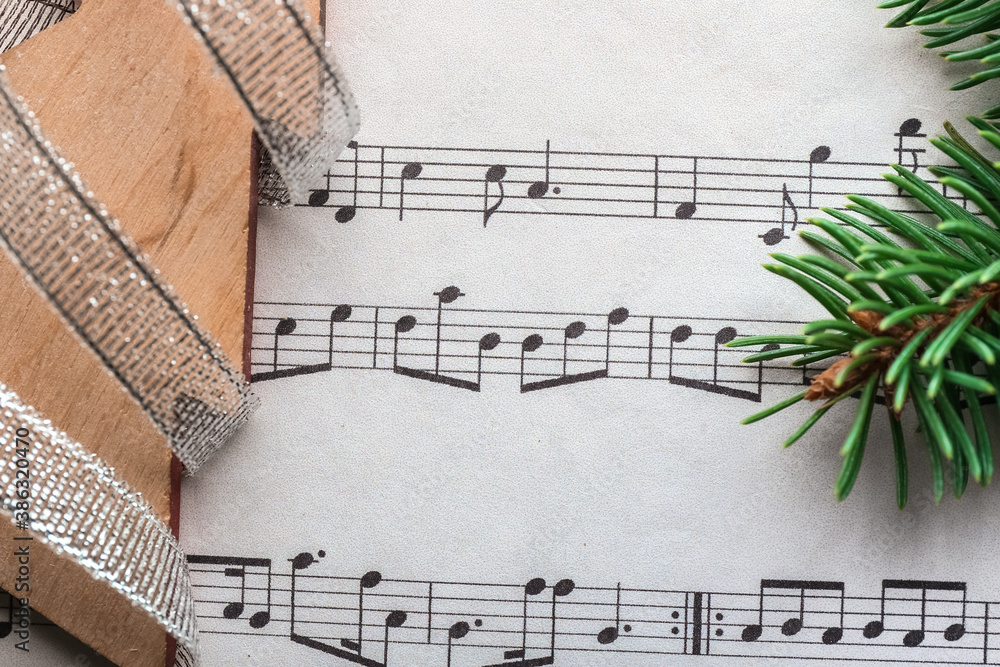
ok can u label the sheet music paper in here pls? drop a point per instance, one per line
(497, 423)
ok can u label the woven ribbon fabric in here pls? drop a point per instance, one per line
(20, 19)
(73, 503)
(116, 303)
(98, 281)
(272, 53)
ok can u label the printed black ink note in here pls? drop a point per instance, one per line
(915, 636)
(795, 623)
(494, 174)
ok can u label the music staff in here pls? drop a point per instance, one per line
(457, 347)
(378, 621)
(767, 192)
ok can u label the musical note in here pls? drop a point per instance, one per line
(236, 567)
(456, 631)
(614, 185)
(368, 581)
(531, 589)
(609, 635)
(723, 336)
(494, 174)
(562, 588)
(776, 235)
(910, 128)
(952, 633)
(394, 619)
(794, 625)
(539, 189)
(686, 210)
(615, 317)
(410, 171)
(347, 213)
(339, 314)
(529, 344)
(819, 155)
(487, 343)
(406, 323)
(572, 331)
(320, 196)
(284, 327)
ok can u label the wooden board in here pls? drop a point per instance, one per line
(127, 94)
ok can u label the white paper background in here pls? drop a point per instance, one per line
(648, 484)
(645, 483)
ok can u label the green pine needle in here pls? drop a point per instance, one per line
(915, 316)
(953, 22)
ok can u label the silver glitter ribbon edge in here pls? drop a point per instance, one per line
(275, 58)
(110, 296)
(77, 506)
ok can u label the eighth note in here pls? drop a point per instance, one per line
(776, 235)
(494, 174)
(407, 322)
(723, 336)
(794, 625)
(952, 633)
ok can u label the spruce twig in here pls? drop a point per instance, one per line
(915, 317)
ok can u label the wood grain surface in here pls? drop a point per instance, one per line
(130, 97)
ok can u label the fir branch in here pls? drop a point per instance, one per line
(914, 313)
(955, 21)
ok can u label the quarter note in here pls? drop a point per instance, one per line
(819, 155)
(776, 235)
(952, 633)
(529, 344)
(410, 171)
(487, 343)
(610, 634)
(539, 189)
(794, 624)
(347, 213)
(494, 174)
(404, 324)
(284, 327)
(686, 210)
